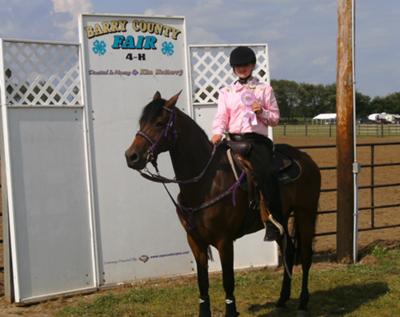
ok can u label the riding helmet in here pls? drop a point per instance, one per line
(242, 55)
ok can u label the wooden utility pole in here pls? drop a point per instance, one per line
(344, 136)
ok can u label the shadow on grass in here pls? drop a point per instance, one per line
(334, 302)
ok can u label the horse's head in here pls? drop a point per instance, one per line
(155, 134)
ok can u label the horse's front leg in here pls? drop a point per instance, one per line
(200, 255)
(225, 250)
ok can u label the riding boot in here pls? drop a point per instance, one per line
(274, 227)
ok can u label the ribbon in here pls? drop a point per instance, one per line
(249, 118)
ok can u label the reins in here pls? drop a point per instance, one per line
(161, 179)
(230, 190)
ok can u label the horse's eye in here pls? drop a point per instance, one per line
(159, 124)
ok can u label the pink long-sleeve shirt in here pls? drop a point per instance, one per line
(233, 116)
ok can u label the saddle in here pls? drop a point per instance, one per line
(288, 168)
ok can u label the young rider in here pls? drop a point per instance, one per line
(246, 108)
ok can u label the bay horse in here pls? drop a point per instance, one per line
(204, 205)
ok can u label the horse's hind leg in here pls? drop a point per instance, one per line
(225, 249)
(200, 255)
(288, 251)
(306, 227)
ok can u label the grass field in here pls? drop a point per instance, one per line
(369, 289)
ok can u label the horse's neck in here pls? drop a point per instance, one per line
(192, 149)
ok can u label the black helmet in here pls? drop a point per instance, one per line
(242, 55)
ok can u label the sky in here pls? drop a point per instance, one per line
(301, 34)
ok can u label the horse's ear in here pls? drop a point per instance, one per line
(172, 101)
(157, 96)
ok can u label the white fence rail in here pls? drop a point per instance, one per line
(210, 70)
(45, 162)
(41, 74)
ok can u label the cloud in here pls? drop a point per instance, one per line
(201, 35)
(24, 19)
(212, 21)
(41, 19)
(67, 12)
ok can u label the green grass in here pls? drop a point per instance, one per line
(367, 290)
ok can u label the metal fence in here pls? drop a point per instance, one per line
(324, 130)
(368, 187)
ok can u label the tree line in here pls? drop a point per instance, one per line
(303, 100)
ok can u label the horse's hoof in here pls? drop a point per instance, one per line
(280, 304)
(302, 313)
(205, 314)
(230, 308)
(231, 314)
(204, 309)
(235, 314)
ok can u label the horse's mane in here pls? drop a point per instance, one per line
(201, 133)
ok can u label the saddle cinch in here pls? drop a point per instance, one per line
(288, 168)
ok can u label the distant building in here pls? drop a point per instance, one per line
(325, 118)
(384, 117)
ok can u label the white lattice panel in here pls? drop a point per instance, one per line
(42, 74)
(210, 70)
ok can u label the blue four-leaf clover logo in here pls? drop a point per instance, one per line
(99, 47)
(167, 48)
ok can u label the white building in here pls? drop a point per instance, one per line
(325, 118)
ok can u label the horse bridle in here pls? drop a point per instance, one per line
(151, 154)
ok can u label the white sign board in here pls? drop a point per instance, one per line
(126, 60)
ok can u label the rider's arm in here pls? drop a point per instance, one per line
(221, 120)
(270, 110)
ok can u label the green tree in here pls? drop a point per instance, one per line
(363, 105)
(287, 95)
(304, 100)
(391, 103)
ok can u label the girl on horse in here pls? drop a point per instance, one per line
(245, 111)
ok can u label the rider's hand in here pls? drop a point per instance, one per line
(257, 108)
(216, 138)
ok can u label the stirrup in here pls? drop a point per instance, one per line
(276, 224)
(274, 231)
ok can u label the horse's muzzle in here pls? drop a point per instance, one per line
(134, 160)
